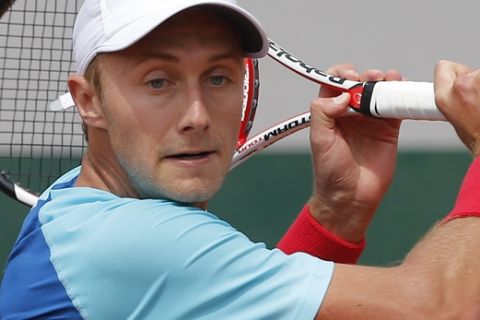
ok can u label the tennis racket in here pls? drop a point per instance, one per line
(41, 136)
(383, 99)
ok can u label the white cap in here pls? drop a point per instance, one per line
(113, 25)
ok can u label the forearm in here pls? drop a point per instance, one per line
(446, 265)
(439, 279)
(449, 256)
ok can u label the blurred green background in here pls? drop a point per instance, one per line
(263, 196)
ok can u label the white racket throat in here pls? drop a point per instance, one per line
(25, 196)
(268, 137)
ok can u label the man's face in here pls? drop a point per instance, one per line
(172, 106)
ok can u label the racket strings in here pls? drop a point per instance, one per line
(37, 144)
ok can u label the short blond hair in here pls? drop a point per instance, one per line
(92, 75)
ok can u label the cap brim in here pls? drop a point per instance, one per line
(253, 37)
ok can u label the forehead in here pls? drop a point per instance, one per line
(199, 24)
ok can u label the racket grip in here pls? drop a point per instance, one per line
(400, 100)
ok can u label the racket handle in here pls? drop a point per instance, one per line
(400, 100)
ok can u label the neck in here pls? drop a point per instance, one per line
(101, 170)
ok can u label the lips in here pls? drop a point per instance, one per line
(192, 155)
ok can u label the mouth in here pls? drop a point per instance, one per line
(192, 155)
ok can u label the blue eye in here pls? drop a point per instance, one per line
(217, 80)
(157, 83)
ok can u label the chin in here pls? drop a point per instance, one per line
(176, 187)
(189, 192)
(193, 193)
(192, 199)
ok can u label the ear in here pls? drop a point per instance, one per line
(87, 101)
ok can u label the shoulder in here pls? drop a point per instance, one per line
(151, 252)
(99, 226)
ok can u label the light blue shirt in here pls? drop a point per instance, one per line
(100, 256)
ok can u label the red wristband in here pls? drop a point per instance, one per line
(307, 235)
(468, 199)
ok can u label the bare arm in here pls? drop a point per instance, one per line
(440, 278)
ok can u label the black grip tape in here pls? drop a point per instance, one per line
(7, 186)
(367, 97)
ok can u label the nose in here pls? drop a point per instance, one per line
(196, 116)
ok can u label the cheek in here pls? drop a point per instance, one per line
(137, 139)
(135, 133)
(135, 116)
(228, 113)
(229, 125)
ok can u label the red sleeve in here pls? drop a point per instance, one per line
(307, 235)
(468, 199)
